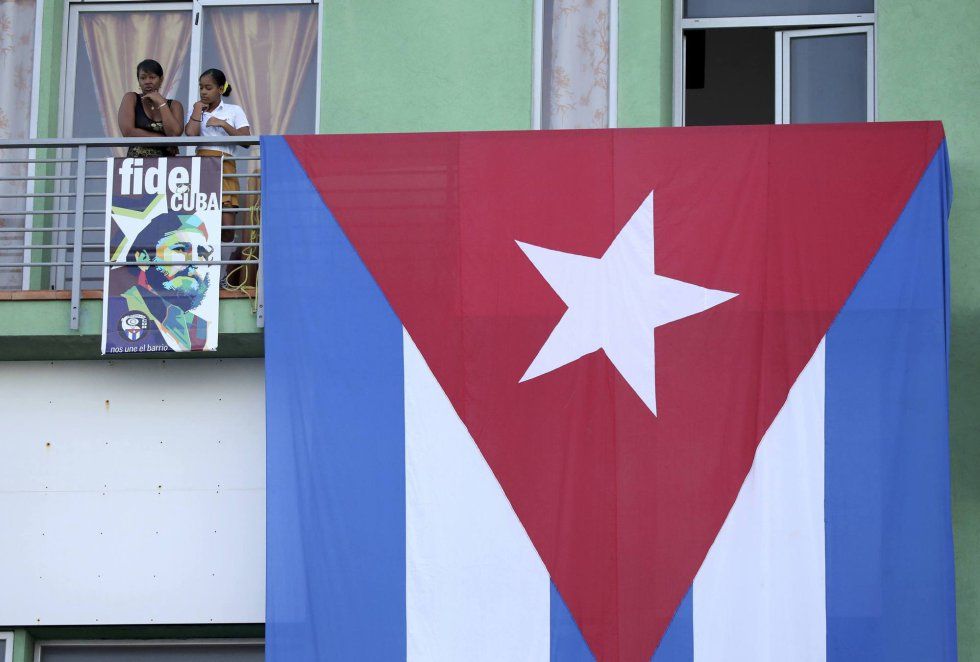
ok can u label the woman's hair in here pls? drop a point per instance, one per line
(219, 78)
(150, 67)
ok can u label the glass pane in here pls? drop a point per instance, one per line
(16, 66)
(575, 71)
(156, 653)
(829, 78)
(3, 648)
(110, 45)
(276, 84)
(728, 8)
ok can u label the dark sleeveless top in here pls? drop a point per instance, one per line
(142, 121)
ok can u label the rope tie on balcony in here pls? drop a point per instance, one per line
(243, 275)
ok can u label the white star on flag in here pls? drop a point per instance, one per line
(614, 304)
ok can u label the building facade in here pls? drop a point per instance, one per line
(134, 489)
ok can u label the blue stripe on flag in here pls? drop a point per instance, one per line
(677, 644)
(335, 577)
(567, 643)
(889, 556)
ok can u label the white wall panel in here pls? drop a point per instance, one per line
(132, 492)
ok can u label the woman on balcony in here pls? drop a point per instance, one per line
(213, 117)
(148, 114)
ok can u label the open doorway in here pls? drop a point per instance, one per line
(730, 77)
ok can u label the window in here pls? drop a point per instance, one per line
(575, 50)
(275, 80)
(775, 61)
(6, 647)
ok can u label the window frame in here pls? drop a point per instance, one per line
(805, 22)
(783, 76)
(537, 65)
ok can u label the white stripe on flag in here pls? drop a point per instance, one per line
(476, 587)
(760, 593)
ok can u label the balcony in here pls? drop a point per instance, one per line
(52, 248)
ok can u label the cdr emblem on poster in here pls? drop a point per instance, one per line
(163, 228)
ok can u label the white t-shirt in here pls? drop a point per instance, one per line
(228, 112)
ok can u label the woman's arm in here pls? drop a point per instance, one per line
(127, 119)
(193, 127)
(170, 115)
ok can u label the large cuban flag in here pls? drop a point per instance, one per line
(668, 394)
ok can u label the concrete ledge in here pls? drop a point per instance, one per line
(36, 329)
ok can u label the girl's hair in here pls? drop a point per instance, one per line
(150, 67)
(219, 78)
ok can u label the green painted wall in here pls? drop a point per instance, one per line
(23, 646)
(928, 69)
(645, 63)
(425, 65)
(25, 318)
(452, 66)
(49, 93)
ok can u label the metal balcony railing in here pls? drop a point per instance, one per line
(52, 212)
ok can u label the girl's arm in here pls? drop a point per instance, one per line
(228, 128)
(193, 127)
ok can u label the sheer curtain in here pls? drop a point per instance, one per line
(576, 64)
(265, 52)
(116, 42)
(16, 67)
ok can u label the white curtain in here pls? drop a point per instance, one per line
(16, 65)
(266, 76)
(576, 64)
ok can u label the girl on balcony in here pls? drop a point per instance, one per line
(213, 117)
(148, 114)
